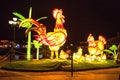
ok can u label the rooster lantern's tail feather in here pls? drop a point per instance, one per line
(102, 38)
(39, 27)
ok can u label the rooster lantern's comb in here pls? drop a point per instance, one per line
(56, 11)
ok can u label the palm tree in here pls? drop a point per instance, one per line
(27, 25)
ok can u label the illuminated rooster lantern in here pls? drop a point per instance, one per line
(96, 47)
(54, 39)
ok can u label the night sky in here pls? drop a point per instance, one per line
(81, 17)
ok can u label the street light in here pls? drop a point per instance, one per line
(13, 23)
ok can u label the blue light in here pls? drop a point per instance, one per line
(17, 46)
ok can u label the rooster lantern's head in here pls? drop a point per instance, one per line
(57, 13)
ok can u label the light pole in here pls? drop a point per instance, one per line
(71, 47)
(13, 23)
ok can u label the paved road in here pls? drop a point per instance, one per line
(103, 74)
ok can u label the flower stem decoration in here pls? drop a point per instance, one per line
(113, 50)
(27, 25)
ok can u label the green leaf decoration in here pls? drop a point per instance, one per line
(113, 47)
(41, 18)
(26, 25)
(37, 44)
(108, 51)
(19, 15)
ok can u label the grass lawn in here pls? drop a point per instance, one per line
(53, 65)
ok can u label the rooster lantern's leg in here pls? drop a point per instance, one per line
(54, 51)
(52, 54)
(56, 54)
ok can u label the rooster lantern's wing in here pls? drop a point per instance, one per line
(56, 38)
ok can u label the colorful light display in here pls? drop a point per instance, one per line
(96, 48)
(63, 55)
(37, 45)
(113, 50)
(77, 57)
(27, 25)
(53, 39)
